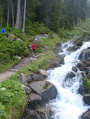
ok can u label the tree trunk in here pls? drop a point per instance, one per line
(2, 15)
(18, 14)
(12, 16)
(8, 16)
(23, 30)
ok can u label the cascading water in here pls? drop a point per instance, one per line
(68, 104)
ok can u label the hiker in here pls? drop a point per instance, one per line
(3, 30)
(34, 47)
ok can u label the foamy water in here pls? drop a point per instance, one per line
(68, 104)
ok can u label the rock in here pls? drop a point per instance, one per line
(86, 115)
(38, 77)
(34, 97)
(31, 114)
(59, 60)
(85, 54)
(79, 43)
(25, 78)
(18, 57)
(45, 89)
(43, 72)
(86, 98)
(11, 36)
(18, 39)
(74, 69)
(45, 36)
(38, 38)
(27, 89)
(43, 112)
(72, 49)
(70, 75)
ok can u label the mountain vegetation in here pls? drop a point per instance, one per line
(55, 14)
(25, 19)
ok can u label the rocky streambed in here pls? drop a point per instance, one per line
(40, 91)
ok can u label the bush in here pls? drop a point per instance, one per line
(37, 28)
(19, 48)
(5, 58)
(12, 98)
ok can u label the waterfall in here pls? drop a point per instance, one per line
(69, 103)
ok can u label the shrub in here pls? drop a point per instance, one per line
(12, 98)
(19, 48)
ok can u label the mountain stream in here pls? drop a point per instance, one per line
(69, 103)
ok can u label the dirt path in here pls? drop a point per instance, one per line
(16, 68)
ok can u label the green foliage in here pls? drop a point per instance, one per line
(40, 46)
(19, 48)
(9, 48)
(2, 111)
(12, 97)
(36, 28)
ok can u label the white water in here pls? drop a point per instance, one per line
(68, 104)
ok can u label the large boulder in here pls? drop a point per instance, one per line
(86, 115)
(25, 78)
(38, 77)
(86, 98)
(34, 97)
(45, 89)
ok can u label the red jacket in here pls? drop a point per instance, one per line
(34, 46)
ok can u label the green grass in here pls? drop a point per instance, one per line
(7, 66)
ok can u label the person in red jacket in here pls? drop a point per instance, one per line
(34, 47)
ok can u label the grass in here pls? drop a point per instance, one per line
(5, 67)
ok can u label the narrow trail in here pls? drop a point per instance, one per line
(16, 68)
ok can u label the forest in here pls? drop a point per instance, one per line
(54, 14)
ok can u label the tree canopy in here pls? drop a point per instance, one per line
(53, 13)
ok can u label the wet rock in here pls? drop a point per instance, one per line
(86, 98)
(74, 69)
(38, 77)
(27, 89)
(85, 54)
(45, 89)
(86, 115)
(43, 72)
(70, 75)
(32, 114)
(43, 112)
(72, 49)
(25, 78)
